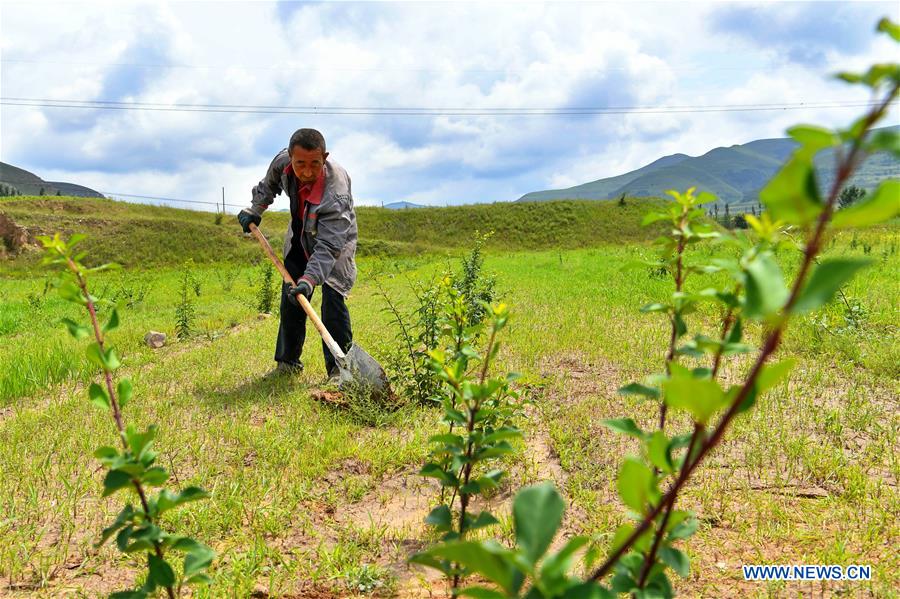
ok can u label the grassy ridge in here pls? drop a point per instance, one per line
(143, 236)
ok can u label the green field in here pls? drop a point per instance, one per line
(308, 501)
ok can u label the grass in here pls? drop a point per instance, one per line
(306, 499)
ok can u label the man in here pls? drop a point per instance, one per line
(319, 247)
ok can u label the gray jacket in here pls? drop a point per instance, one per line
(327, 232)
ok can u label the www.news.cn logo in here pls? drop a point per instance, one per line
(807, 572)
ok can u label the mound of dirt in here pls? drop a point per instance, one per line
(13, 238)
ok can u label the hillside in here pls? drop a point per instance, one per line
(734, 174)
(27, 183)
(75, 190)
(602, 188)
(140, 235)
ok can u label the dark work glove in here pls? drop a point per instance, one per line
(245, 218)
(302, 287)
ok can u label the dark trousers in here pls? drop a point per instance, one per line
(292, 328)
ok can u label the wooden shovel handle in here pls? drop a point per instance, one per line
(326, 336)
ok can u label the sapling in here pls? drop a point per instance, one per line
(137, 528)
(265, 291)
(184, 311)
(649, 484)
(479, 411)
(641, 552)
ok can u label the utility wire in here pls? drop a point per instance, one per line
(289, 67)
(131, 195)
(416, 111)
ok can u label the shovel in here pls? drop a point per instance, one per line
(358, 371)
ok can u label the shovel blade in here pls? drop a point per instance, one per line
(362, 372)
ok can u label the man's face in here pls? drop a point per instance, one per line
(307, 164)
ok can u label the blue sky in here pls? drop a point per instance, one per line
(413, 55)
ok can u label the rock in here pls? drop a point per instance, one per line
(155, 339)
(263, 316)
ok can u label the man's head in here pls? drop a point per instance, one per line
(307, 152)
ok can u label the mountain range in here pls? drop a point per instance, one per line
(734, 174)
(27, 183)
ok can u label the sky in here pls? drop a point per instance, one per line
(381, 65)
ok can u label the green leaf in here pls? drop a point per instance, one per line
(98, 396)
(622, 582)
(825, 281)
(537, 514)
(634, 484)
(111, 359)
(125, 390)
(160, 571)
(705, 197)
(882, 205)
(113, 322)
(168, 500)
(557, 565)
(652, 217)
(813, 137)
(624, 425)
(766, 291)
(773, 374)
(107, 361)
(676, 560)
(885, 25)
(115, 480)
(487, 558)
(447, 439)
(638, 389)
(78, 331)
(106, 453)
(75, 239)
(684, 529)
(441, 518)
(503, 433)
(849, 77)
(658, 451)
(189, 494)
(700, 397)
(71, 292)
(587, 590)
(885, 140)
(155, 476)
(94, 354)
(482, 520)
(137, 442)
(878, 72)
(792, 195)
(433, 470)
(201, 578)
(657, 307)
(122, 520)
(481, 593)
(139, 594)
(198, 559)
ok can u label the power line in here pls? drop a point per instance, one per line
(419, 111)
(288, 67)
(140, 197)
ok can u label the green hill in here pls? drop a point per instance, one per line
(27, 183)
(139, 235)
(734, 174)
(602, 188)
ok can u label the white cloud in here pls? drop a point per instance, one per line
(448, 55)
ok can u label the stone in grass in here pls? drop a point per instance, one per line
(155, 339)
